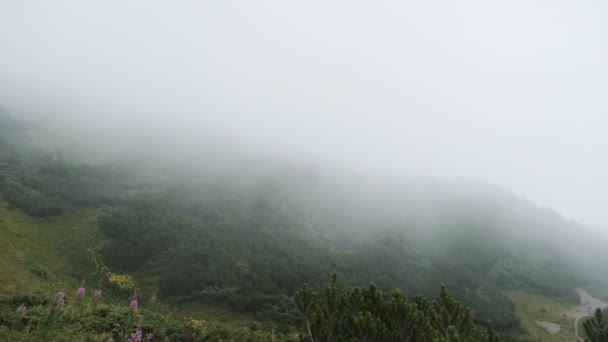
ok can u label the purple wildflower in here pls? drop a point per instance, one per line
(80, 292)
(133, 304)
(136, 336)
(149, 336)
(97, 294)
(22, 309)
(60, 299)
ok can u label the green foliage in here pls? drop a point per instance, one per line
(204, 242)
(76, 184)
(216, 245)
(32, 201)
(251, 242)
(596, 328)
(44, 184)
(137, 236)
(366, 314)
(219, 247)
(87, 319)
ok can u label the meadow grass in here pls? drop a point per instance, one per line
(42, 255)
(534, 307)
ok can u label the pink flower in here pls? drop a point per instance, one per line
(22, 309)
(60, 299)
(80, 292)
(136, 336)
(133, 304)
(97, 294)
(149, 336)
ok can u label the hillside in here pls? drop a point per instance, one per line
(41, 255)
(248, 238)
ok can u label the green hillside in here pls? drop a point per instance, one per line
(233, 248)
(42, 255)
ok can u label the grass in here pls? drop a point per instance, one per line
(216, 312)
(581, 329)
(147, 282)
(533, 307)
(43, 255)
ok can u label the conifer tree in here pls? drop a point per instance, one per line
(345, 314)
(596, 328)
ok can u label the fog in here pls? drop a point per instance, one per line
(511, 93)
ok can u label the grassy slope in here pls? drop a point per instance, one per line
(532, 307)
(41, 255)
(45, 255)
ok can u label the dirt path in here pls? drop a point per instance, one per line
(578, 338)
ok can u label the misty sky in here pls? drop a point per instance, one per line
(511, 92)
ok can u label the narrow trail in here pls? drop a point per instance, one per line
(578, 337)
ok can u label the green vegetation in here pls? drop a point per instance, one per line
(340, 314)
(533, 308)
(41, 255)
(248, 243)
(34, 202)
(92, 319)
(365, 314)
(596, 328)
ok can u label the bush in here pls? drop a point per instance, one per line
(32, 201)
(90, 319)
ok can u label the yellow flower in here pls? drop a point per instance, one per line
(196, 323)
(122, 281)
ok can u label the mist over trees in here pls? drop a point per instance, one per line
(250, 234)
(212, 164)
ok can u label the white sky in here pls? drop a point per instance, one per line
(511, 92)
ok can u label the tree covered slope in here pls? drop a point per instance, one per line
(251, 236)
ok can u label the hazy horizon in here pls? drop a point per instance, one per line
(511, 93)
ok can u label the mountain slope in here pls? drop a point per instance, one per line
(249, 235)
(42, 255)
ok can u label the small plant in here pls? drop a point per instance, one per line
(31, 318)
(22, 309)
(60, 299)
(136, 336)
(121, 282)
(134, 303)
